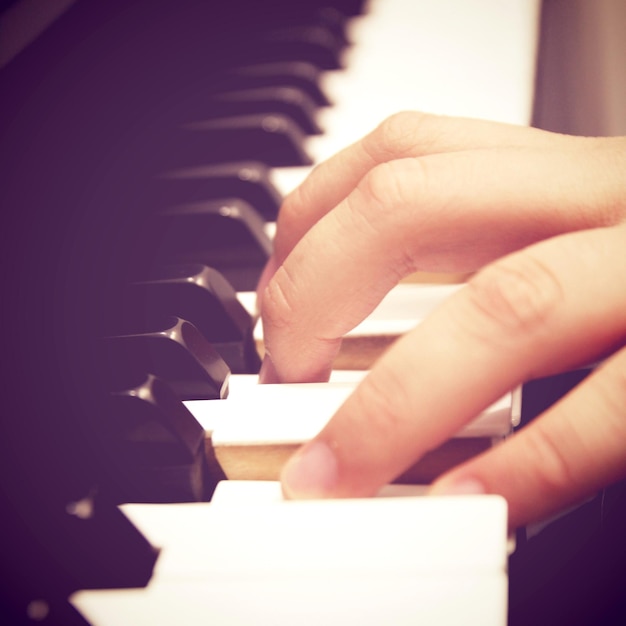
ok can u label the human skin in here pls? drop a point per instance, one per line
(539, 217)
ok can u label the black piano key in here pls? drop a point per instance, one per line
(292, 102)
(540, 394)
(153, 420)
(202, 296)
(349, 8)
(160, 447)
(172, 349)
(547, 565)
(313, 14)
(298, 74)
(271, 138)
(315, 44)
(90, 545)
(336, 22)
(227, 235)
(248, 180)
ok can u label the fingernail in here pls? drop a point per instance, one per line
(267, 372)
(311, 472)
(463, 487)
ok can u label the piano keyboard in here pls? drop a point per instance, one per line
(317, 562)
(123, 120)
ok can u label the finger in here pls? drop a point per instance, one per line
(570, 452)
(406, 134)
(446, 213)
(547, 308)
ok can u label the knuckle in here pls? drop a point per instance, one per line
(517, 296)
(385, 187)
(294, 205)
(384, 203)
(403, 134)
(395, 136)
(376, 187)
(554, 472)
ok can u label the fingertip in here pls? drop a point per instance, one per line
(311, 473)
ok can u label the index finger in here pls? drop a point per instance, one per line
(450, 212)
(406, 134)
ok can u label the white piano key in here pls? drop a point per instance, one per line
(435, 57)
(250, 492)
(328, 600)
(270, 227)
(402, 308)
(161, 523)
(247, 299)
(241, 384)
(469, 59)
(371, 537)
(295, 413)
(408, 301)
(286, 179)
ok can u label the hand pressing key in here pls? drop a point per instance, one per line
(540, 217)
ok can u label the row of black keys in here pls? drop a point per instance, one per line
(180, 330)
(138, 137)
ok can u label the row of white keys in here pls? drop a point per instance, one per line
(296, 412)
(245, 560)
(397, 312)
(452, 57)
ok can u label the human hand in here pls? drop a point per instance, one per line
(454, 195)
